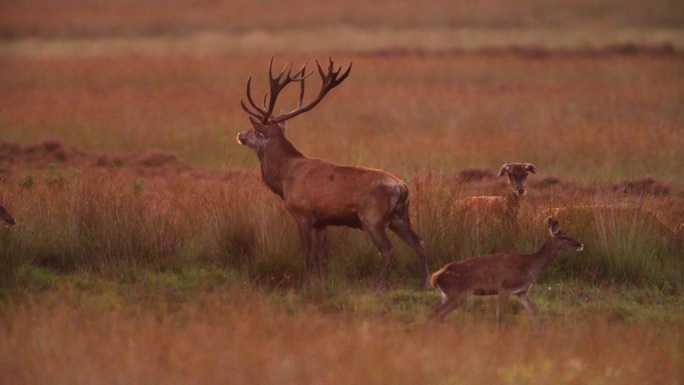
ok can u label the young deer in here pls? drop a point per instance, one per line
(487, 217)
(5, 218)
(499, 274)
(318, 193)
(504, 207)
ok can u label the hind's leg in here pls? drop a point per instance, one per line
(451, 303)
(529, 309)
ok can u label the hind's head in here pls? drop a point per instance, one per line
(517, 176)
(561, 239)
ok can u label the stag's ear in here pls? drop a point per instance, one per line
(504, 169)
(529, 167)
(260, 127)
(553, 226)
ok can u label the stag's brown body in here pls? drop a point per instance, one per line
(320, 193)
(501, 274)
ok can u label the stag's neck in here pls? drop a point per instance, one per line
(543, 258)
(275, 158)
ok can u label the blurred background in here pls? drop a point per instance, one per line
(233, 27)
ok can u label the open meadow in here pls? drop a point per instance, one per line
(148, 249)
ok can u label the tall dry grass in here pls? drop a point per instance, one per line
(102, 222)
(237, 337)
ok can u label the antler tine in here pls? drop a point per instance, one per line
(329, 80)
(252, 113)
(251, 101)
(276, 85)
(333, 74)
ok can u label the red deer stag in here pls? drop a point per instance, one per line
(318, 193)
(5, 218)
(499, 274)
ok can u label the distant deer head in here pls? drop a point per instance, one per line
(517, 176)
(500, 274)
(318, 193)
(5, 218)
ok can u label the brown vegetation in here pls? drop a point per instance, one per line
(234, 336)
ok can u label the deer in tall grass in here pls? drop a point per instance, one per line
(318, 193)
(502, 274)
(505, 207)
(5, 218)
(630, 220)
(499, 213)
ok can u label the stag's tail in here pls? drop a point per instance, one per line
(435, 276)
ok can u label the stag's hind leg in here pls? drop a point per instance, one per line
(401, 225)
(379, 237)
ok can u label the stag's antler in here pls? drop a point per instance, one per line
(275, 86)
(330, 80)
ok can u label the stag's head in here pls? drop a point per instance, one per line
(266, 126)
(257, 137)
(561, 240)
(517, 176)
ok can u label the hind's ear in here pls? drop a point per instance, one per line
(553, 226)
(504, 169)
(529, 167)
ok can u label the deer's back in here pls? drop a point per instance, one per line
(485, 275)
(336, 194)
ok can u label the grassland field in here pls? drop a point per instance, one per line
(148, 250)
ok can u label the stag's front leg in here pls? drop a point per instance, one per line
(402, 227)
(320, 240)
(305, 236)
